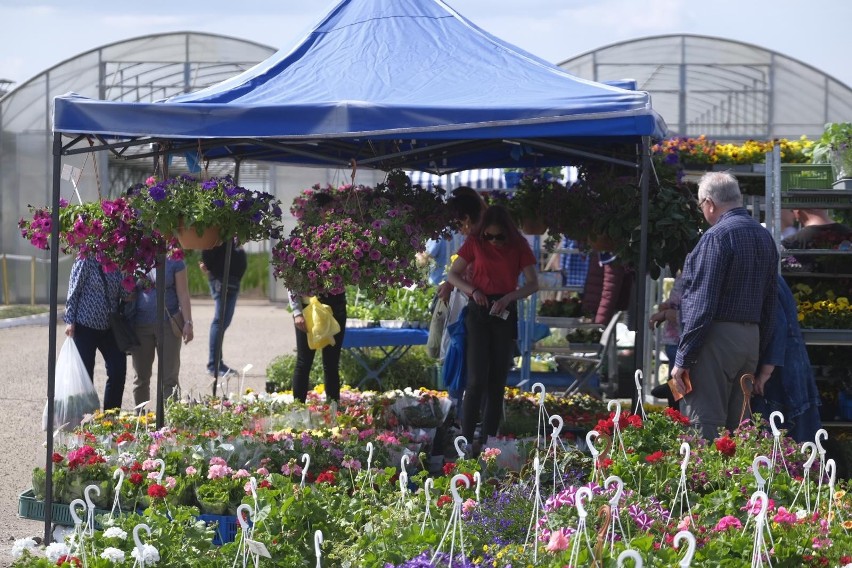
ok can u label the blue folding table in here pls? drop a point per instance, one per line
(393, 343)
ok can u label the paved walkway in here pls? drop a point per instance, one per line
(259, 332)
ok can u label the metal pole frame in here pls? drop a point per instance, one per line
(641, 338)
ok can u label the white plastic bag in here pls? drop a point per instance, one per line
(458, 300)
(75, 394)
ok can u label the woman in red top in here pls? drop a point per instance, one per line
(499, 255)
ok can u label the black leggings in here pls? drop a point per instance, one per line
(330, 355)
(489, 343)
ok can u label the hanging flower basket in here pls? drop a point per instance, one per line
(190, 239)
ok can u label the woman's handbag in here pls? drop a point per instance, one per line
(119, 321)
(177, 322)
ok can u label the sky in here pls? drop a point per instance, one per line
(38, 34)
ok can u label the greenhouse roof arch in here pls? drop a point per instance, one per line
(723, 88)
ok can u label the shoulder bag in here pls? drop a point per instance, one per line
(122, 328)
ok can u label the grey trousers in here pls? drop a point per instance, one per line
(730, 350)
(143, 362)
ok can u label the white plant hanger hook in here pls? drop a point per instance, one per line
(591, 436)
(619, 489)
(306, 459)
(685, 451)
(541, 396)
(640, 407)
(454, 524)
(116, 502)
(427, 485)
(454, 489)
(614, 406)
(631, 554)
(820, 435)
(776, 416)
(755, 466)
(477, 478)
(72, 508)
(805, 486)
(244, 511)
(558, 423)
(403, 463)
(759, 549)
(90, 507)
(686, 562)
(581, 498)
(369, 455)
(140, 548)
(162, 471)
(460, 443)
(318, 547)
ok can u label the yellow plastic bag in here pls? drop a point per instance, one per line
(320, 323)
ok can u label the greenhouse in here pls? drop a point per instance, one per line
(724, 89)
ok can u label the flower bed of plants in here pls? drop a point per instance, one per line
(296, 469)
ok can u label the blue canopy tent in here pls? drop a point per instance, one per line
(382, 84)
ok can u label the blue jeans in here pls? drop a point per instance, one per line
(88, 341)
(230, 305)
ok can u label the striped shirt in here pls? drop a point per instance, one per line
(729, 276)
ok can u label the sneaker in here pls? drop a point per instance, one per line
(223, 370)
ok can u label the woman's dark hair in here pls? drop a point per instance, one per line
(499, 215)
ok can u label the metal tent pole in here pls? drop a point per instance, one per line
(639, 346)
(51, 338)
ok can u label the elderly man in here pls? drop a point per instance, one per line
(727, 308)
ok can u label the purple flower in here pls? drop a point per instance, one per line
(157, 193)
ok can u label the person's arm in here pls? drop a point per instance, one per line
(182, 291)
(530, 287)
(775, 352)
(296, 306)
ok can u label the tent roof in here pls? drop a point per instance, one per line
(387, 83)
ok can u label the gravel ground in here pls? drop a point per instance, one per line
(260, 331)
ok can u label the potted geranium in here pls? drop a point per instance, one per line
(835, 147)
(212, 209)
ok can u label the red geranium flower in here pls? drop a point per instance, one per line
(655, 457)
(633, 420)
(443, 500)
(676, 416)
(125, 437)
(449, 467)
(57, 458)
(72, 560)
(604, 463)
(135, 478)
(326, 477)
(157, 491)
(726, 446)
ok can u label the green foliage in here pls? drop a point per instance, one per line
(255, 280)
(280, 372)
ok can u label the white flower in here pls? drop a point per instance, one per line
(54, 550)
(150, 555)
(801, 514)
(114, 555)
(21, 545)
(115, 532)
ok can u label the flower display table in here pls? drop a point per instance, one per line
(393, 343)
